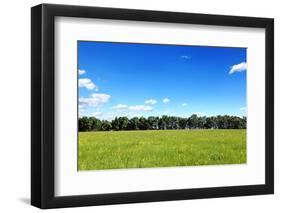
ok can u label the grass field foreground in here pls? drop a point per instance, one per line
(160, 148)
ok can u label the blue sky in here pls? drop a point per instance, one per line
(125, 79)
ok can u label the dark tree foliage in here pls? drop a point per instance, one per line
(133, 124)
(162, 123)
(105, 126)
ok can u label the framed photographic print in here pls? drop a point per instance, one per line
(141, 106)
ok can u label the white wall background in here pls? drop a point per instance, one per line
(15, 105)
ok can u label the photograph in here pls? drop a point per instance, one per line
(120, 97)
(160, 105)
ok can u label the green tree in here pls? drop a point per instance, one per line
(123, 123)
(193, 121)
(152, 122)
(84, 124)
(115, 124)
(133, 124)
(105, 125)
(183, 124)
(95, 124)
(143, 124)
(164, 122)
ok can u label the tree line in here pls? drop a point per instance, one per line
(162, 123)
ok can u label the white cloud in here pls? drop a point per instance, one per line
(104, 115)
(166, 100)
(243, 108)
(121, 107)
(185, 57)
(97, 114)
(81, 107)
(184, 104)
(238, 67)
(81, 72)
(243, 111)
(109, 116)
(140, 108)
(150, 101)
(102, 98)
(96, 99)
(87, 83)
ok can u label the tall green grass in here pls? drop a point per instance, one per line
(160, 148)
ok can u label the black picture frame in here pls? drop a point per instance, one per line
(43, 117)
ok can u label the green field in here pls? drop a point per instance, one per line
(160, 148)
